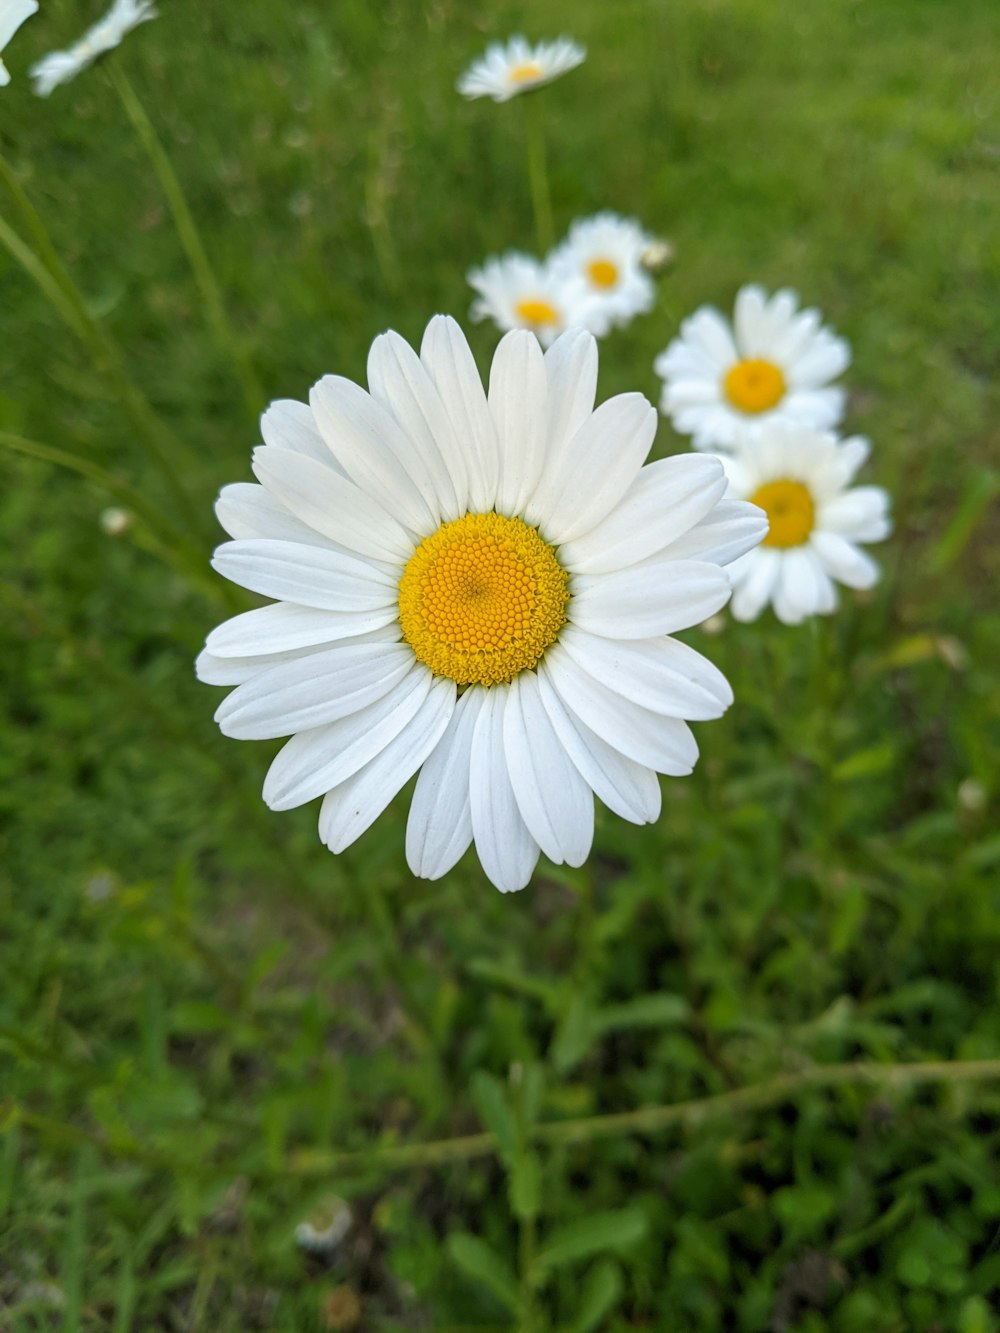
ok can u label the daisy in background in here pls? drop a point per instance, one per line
(801, 479)
(62, 66)
(607, 252)
(477, 585)
(775, 363)
(12, 14)
(517, 67)
(518, 291)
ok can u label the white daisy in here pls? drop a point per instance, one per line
(12, 15)
(506, 70)
(479, 586)
(518, 291)
(774, 364)
(800, 479)
(61, 66)
(607, 251)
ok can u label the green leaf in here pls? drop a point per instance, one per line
(526, 1185)
(602, 1289)
(661, 1009)
(490, 1098)
(476, 1260)
(574, 1035)
(615, 1230)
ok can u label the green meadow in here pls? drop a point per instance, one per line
(739, 1072)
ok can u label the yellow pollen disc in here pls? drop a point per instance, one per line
(482, 598)
(532, 310)
(789, 509)
(602, 273)
(754, 386)
(529, 70)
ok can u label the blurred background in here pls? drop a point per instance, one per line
(217, 1040)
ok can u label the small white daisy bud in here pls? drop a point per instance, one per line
(325, 1227)
(714, 624)
(972, 796)
(657, 256)
(116, 521)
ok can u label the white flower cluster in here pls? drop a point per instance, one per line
(594, 280)
(758, 391)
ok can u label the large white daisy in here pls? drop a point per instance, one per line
(517, 67)
(518, 291)
(774, 363)
(817, 521)
(477, 585)
(12, 14)
(606, 252)
(61, 66)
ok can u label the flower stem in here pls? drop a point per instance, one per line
(187, 230)
(43, 265)
(538, 176)
(655, 1119)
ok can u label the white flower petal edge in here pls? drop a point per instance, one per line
(62, 66)
(818, 522)
(783, 361)
(360, 489)
(517, 67)
(12, 14)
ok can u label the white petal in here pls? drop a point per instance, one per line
(213, 670)
(448, 358)
(629, 789)
(284, 627)
(844, 560)
(667, 498)
(657, 597)
(571, 367)
(439, 828)
(756, 583)
(354, 805)
(798, 592)
(726, 532)
(312, 690)
(650, 739)
(398, 380)
(595, 469)
(313, 762)
(331, 504)
(750, 321)
(290, 425)
(506, 850)
(375, 452)
(245, 509)
(518, 400)
(661, 675)
(306, 575)
(555, 802)
(860, 514)
(707, 329)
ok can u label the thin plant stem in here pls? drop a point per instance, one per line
(43, 265)
(527, 1246)
(538, 175)
(655, 1119)
(187, 230)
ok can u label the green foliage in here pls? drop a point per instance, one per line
(208, 1025)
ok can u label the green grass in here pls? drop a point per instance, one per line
(207, 1023)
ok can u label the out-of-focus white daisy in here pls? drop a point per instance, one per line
(606, 251)
(518, 291)
(61, 66)
(517, 67)
(775, 363)
(12, 15)
(801, 479)
(479, 586)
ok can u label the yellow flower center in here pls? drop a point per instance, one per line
(602, 273)
(530, 69)
(532, 310)
(482, 598)
(789, 509)
(754, 386)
